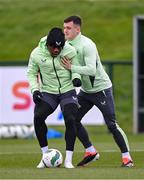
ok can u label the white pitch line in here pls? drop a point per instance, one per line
(108, 151)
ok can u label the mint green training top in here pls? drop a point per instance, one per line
(54, 78)
(93, 76)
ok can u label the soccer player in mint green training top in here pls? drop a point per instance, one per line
(56, 86)
(96, 90)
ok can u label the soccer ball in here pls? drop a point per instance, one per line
(53, 158)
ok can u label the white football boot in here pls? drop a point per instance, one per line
(68, 165)
(41, 165)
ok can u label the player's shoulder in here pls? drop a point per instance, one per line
(87, 41)
(40, 47)
(68, 50)
(68, 47)
(35, 50)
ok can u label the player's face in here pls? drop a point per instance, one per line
(71, 30)
(55, 51)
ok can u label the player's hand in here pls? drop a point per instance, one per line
(76, 82)
(66, 63)
(37, 97)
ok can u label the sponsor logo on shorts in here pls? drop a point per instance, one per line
(103, 103)
(74, 98)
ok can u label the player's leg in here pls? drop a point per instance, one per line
(41, 112)
(69, 106)
(105, 102)
(90, 151)
(82, 134)
(69, 114)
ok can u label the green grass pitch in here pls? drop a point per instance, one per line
(19, 157)
(110, 24)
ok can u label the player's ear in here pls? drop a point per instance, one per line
(78, 29)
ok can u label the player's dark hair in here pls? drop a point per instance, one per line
(55, 38)
(75, 19)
